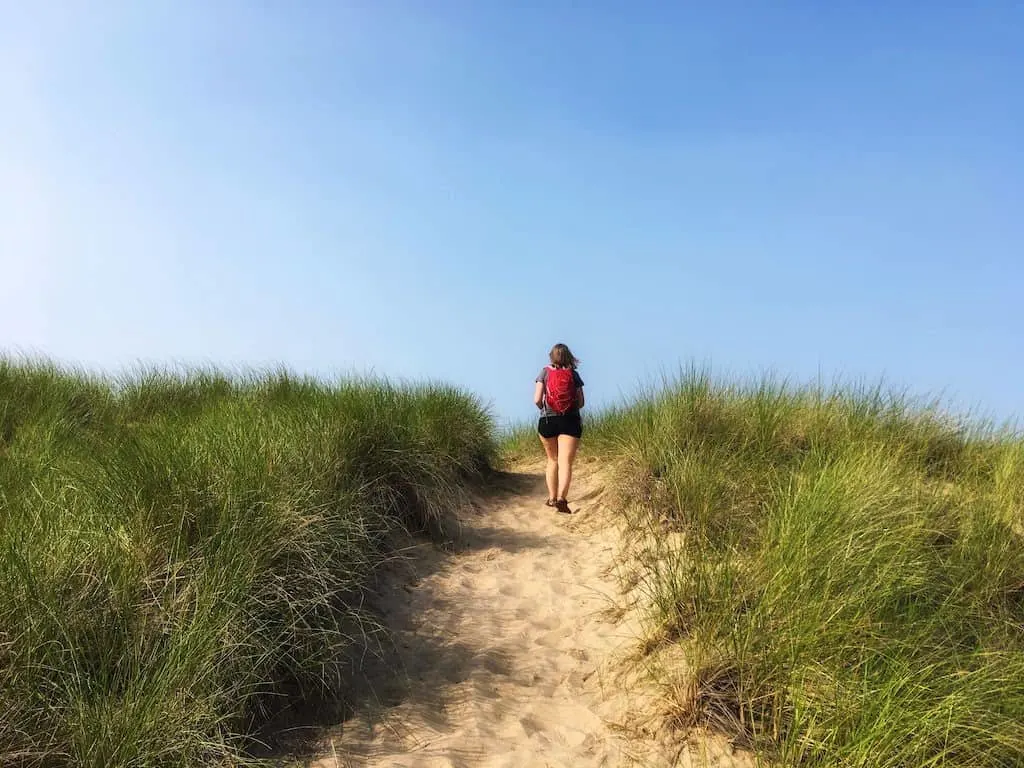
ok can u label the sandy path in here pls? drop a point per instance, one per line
(506, 647)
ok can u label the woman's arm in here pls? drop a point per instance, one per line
(538, 394)
(580, 400)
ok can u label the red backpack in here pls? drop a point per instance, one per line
(561, 389)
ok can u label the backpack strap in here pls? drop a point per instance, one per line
(544, 393)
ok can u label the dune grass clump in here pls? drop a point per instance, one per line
(842, 571)
(179, 551)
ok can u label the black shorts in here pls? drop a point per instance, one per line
(565, 424)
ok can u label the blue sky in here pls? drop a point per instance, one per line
(443, 190)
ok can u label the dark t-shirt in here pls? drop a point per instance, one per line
(543, 378)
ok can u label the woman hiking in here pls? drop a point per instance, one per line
(558, 393)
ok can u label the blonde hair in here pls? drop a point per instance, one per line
(562, 357)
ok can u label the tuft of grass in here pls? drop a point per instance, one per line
(520, 443)
(842, 570)
(179, 551)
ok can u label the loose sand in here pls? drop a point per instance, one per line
(509, 648)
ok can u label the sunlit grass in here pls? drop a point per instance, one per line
(842, 570)
(178, 549)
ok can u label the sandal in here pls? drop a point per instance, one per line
(551, 503)
(563, 506)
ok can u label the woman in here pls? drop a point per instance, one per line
(559, 395)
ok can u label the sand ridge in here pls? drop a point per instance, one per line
(507, 649)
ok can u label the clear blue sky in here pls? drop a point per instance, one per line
(445, 189)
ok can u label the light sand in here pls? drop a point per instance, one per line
(507, 648)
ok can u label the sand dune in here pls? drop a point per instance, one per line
(508, 648)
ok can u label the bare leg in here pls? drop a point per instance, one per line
(567, 446)
(551, 470)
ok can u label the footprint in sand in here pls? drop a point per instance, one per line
(513, 589)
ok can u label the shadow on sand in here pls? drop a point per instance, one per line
(392, 667)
